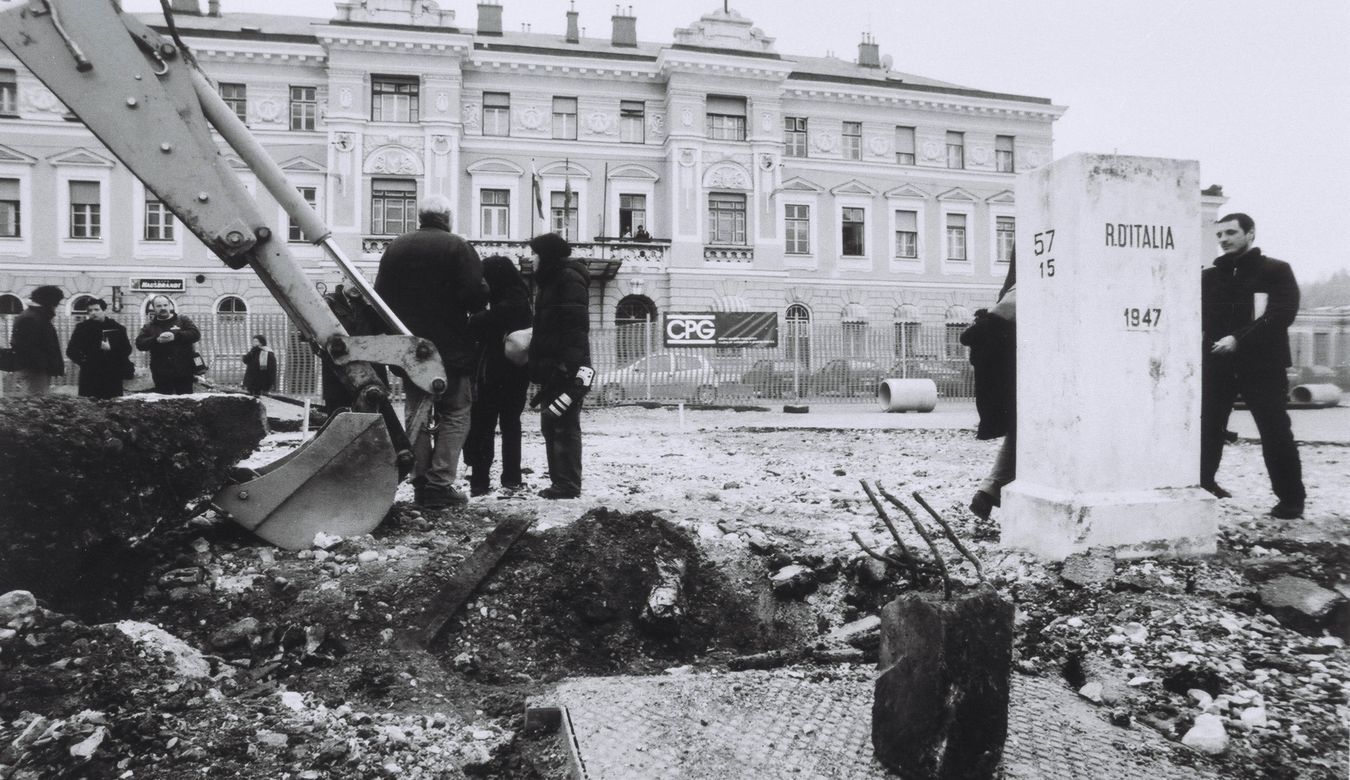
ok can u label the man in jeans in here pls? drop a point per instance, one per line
(433, 280)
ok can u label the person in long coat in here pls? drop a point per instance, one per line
(37, 348)
(499, 385)
(260, 367)
(560, 359)
(100, 347)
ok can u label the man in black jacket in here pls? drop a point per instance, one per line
(37, 349)
(101, 348)
(560, 358)
(1248, 302)
(433, 280)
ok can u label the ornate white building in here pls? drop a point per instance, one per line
(822, 189)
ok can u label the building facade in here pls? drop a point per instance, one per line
(831, 192)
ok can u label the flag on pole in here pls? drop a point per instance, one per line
(535, 185)
(567, 200)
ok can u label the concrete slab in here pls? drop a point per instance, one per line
(799, 724)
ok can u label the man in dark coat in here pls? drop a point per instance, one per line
(171, 340)
(432, 279)
(37, 349)
(560, 358)
(1248, 302)
(499, 385)
(100, 347)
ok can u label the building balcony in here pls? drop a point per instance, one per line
(729, 254)
(604, 256)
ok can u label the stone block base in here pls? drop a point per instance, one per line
(1054, 523)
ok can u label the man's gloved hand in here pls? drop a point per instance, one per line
(570, 390)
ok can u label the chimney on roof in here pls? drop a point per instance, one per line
(193, 7)
(625, 27)
(572, 35)
(489, 19)
(213, 7)
(869, 56)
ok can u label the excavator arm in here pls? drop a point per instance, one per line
(142, 95)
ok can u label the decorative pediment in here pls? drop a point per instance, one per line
(565, 168)
(907, 191)
(1005, 197)
(725, 30)
(853, 312)
(956, 193)
(726, 176)
(394, 159)
(8, 155)
(958, 313)
(495, 165)
(634, 172)
(853, 187)
(301, 165)
(80, 156)
(798, 184)
(907, 312)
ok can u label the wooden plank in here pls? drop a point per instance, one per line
(471, 573)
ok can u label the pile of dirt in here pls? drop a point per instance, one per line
(566, 602)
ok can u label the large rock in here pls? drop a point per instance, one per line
(1300, 604)
(941, 704)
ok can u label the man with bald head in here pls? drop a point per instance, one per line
(433, 280)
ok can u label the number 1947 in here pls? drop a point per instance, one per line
(1142, 318)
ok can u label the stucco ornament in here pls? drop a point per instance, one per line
(600, 123)
(470, 113)
(727, 177)
(440, 144)
(268, 110)
(687, 157)
(344, 142)
(442, 101)
(40, 99)
(878, 144)
(825, 142)
(766, 122)
(766, 162)
(980, 154)
(932, 150)
(530, 117)
(657, 124)
(687, 117)
(395, 161)
(345, 97)
(1035, 157)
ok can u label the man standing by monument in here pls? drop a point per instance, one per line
(433, 281)
(1248, 302)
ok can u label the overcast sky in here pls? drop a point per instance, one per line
(1257, 91)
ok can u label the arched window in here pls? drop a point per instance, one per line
(11, 304)
(908, 345)
(80, 306)
(958, 319)
(231, 304)
(633, 337)
(797, 333)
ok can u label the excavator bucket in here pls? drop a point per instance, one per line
(341, 482)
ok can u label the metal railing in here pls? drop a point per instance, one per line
(824, 362)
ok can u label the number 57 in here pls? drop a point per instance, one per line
(1043, 246)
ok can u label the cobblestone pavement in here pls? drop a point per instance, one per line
(802, 725)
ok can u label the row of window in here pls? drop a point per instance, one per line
(304, 104)
(795, 144)
(853, 233)
(85, 220)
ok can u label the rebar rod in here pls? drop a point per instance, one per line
(951, 536)
(937, 555)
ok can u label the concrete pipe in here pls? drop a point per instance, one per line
(907, 395)
(1320, 396)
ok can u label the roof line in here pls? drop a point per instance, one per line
(798, 75)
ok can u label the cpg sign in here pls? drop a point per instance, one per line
(721, 329)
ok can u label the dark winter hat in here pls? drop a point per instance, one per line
(47, 295)
(501, 274)
(551, 246)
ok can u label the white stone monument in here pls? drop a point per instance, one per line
(1108, 362)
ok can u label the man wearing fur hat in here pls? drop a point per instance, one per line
(560, 358)
(37, 350)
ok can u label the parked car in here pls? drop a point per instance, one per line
(777, 378)
(848, 376)
(664, 375)
(954, 378)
